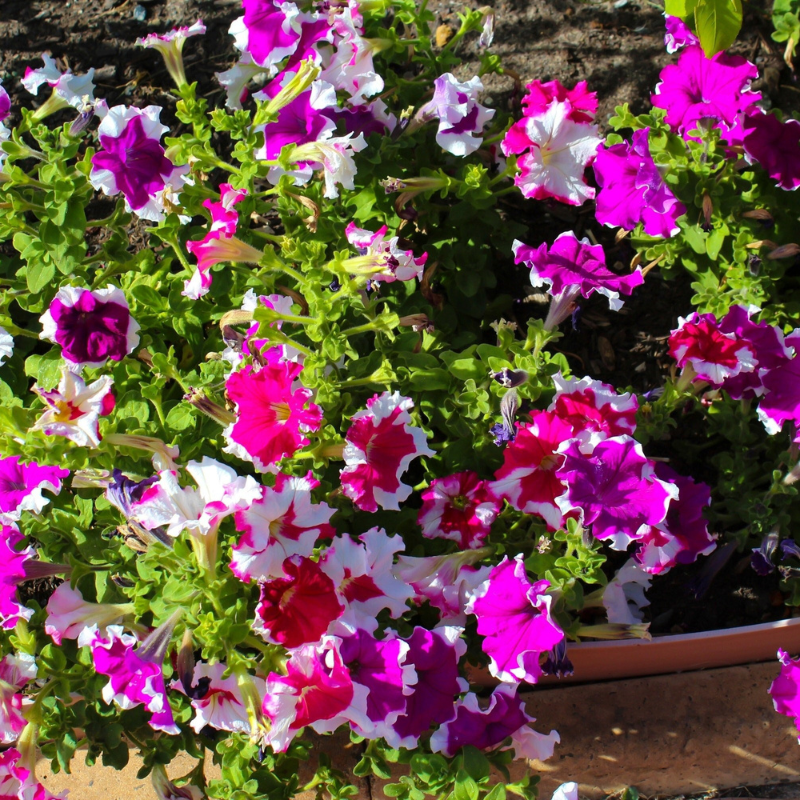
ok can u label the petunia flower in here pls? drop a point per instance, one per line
(775, 145)
(170, 45)
(785, 689)
(528, 478)
(460, 507)
(539, 96)
(272, 415)
(435, 655)
(698, 87)
(316, 691)
(514, 618)
(282, 522)
(334, 155)
(6, 345)
(298, 608)
(269, 31)
(614, 490)
(21, 487)
(234, 80)
(461, 117)
(571, 267)
(380, 445)
(68, 89)
(90, 326)
(69, 616)
(594, 409)
(132, 161)
(624, 595)
(14, 570)
(380, 666)
(781, 400)
(713, 355)
(135, 675)
(380, 258)
(219, 703)
(362, 573)
(486, 728)
(5, 103)
(15, 672)
(632, 189)
(555, 151)
(678, 34)
(74, 409)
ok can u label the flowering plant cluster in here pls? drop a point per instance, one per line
(280, 467)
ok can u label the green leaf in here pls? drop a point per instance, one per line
(498, 792)
(680, 8)
(717, 23)
(476, 764)
(465, 788)
(39, 274)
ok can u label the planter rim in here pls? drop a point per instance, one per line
(685, 652)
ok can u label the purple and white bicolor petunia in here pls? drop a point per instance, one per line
(133, 162)
(90, 326)
(21, 487)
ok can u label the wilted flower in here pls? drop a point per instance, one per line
(90, 326)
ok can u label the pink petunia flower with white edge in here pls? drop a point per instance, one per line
(514, 618)
(69, 616)
(555, 155)
(282, 522)
(785, 689)
(317, 691)
(21, 487)
(362, 573)
(221, 704)
(133, 162)
(68, 89)
(461, 117)
(74, 409)
(713, 355)
(488, 727)
(91, 326)
(380, 445)
(15, 672)
(199, 509)
(170, 45)
(460, 507)
(380, 258)
(6, 345)
(614, 490)
(273, 413)
(224, 220)
(594, 409)
(529, 477)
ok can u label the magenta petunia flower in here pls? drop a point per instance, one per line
(298, 608)
(539, 96)
(683, 535)
(572, 267)
(221, 705)
(269, 31)
(781, 401)
(135, 676)
(133, 162)
(699, 88)
(69, 616)
(282, 522)
(317, 691)
(381, 258)
(678, 34)
(614, 490)
(633, 191)
(775, 145)
(528, 478)
(593, 407)
(90, 326)
(362, 573)
(15, 672)
(785, 689)
(555, 151)
(514, 618)
(5, 104)
(712, 354)
(485, 728)
(380, 445)
(74, 409)
(14, 570)
(460, 507)
(380, 666)
(435, 655)
(21, 487)
(272, 415)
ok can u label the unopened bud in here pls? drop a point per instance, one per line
(198, 399)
